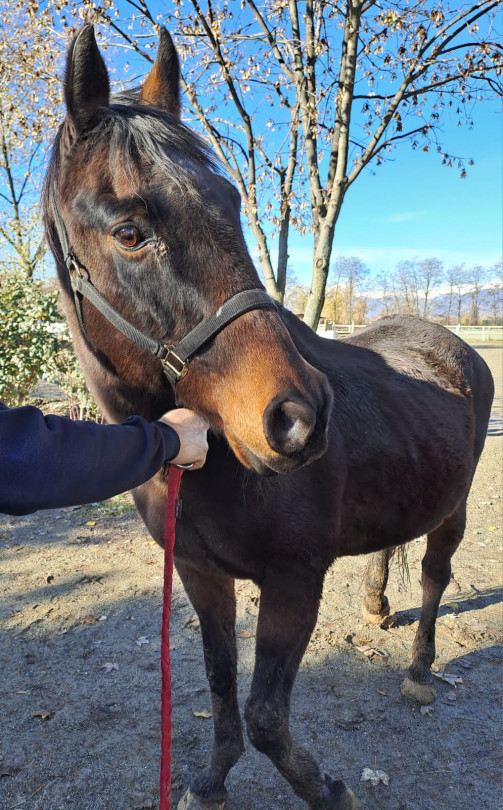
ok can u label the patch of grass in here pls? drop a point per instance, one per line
(118, 505)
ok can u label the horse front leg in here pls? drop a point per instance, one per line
(436, 572)
(375, 607)
(214, 601)
(288, 611)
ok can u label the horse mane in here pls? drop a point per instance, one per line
(130, 131)
(135, 129)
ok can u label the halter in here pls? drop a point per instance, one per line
(175, 364)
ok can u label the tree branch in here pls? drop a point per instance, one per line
(271, 40)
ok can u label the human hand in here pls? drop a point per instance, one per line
(192, 430)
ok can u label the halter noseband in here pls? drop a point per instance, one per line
(175, 364)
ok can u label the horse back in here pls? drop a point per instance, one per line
(415, 349)
(421, 348)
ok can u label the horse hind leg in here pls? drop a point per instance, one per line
(214, 602)
(375, 607)
(288, 612)
(436, 573)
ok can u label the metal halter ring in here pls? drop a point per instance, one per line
(184, 466)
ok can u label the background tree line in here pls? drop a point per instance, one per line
(296, 98)
(451, 295)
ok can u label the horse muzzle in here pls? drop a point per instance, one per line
(295, 429)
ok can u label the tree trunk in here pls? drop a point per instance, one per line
(321, 263)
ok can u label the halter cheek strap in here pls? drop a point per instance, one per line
(175, 363)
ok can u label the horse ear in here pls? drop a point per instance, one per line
(162, 85)
(87, 89)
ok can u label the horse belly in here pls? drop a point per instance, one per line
(405, 498)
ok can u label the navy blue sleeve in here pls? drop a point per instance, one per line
(50, 461)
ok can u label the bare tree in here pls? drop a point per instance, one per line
(429, 274)
(382, 285)
(495, 293)
(405, 285)
(349, 273)
(298, 99)
(295, 294)
(456, 279)
(29, 111)
(360, 310)
(476, 277)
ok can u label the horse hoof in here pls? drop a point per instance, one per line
(423, 693)
(190, 801)
(348, 801)
(375, 618)
(351, 802)
(336, 796)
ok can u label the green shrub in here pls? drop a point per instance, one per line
(28, 337)
(35, 343)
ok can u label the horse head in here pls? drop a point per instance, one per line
(156, 229)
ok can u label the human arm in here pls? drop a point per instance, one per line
(50, 461)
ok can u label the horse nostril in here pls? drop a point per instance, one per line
(288, 425)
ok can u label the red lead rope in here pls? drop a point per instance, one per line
(174, 476)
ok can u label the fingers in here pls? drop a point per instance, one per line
(192, 431)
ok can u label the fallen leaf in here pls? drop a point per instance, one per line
(141, 801)
(91, 523)
(448, 678)
(141, 641)
(42, 714)
(90, 620)
(204, 715)
(246, 634)
(374, 776)
(371, 651)
(109, 666)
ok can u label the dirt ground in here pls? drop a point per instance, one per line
(80, 610)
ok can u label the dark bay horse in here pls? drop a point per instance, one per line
(134, 204)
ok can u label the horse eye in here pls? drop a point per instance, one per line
(127, 236)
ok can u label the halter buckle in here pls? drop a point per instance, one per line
(174, 365)
(74, 267)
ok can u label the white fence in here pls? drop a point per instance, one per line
(331, 330)
(472, 334)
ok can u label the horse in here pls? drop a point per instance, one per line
(318, 448)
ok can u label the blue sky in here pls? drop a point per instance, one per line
(413, 207)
